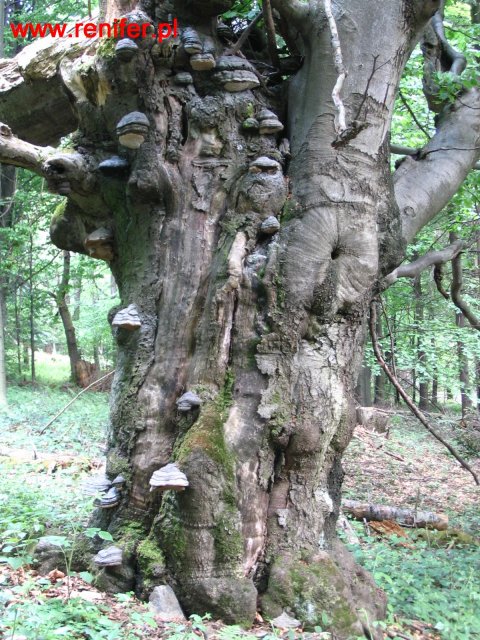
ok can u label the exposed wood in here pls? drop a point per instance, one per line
(405, 517)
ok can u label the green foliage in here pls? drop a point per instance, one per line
(427, 582)
(81, 427)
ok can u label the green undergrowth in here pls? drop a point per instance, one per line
(80, 429)
(428, 578)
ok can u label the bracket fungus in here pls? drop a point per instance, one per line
(188, 401)
(191, 41)
(269, 122)
(264, 164)
(118, 482)
(270, 226)
(109, 557)
(236, 74)
(110, 499)
(133, 129)
(183, 78)
(127, 318)
(202, 61)
(167, 478)
(250, 124)
(96, 484)
(113, 167)
(99, 244)
(126, 49)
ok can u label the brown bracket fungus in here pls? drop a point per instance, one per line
(269, 122)
(127, 318)
(133, 129)
(109, 500)
(270, 226)
(167, 478)
(99, 244)
(113, 167)
(109, 557)
(188, 401)
(126, 50)
(236, 74)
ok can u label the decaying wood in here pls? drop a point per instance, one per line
(405, 517)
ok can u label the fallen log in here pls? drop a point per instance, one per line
(405, 517)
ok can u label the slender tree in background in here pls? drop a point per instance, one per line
(180, 177)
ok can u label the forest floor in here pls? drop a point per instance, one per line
(431, 580)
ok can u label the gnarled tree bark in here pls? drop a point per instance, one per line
(266, 328)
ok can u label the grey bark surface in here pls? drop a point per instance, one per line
(266, 329)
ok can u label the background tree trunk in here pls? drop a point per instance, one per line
(68, 326)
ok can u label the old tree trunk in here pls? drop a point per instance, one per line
(266, 328)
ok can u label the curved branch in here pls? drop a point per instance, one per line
(413, 269)
(456, 291)
(423, 186)
(417, 413)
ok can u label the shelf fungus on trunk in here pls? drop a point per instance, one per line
(188, 401)
(203, 61)
(236, 74)
(168, 478)
(191, 41)
(109, 500)
(133, 129)
(183, 78)
(99, 244)
(270, 225)
(269, 122)
(98, 483)
(113, 167)
(118, 482)
(127, 318)
(264, 164)
(126, 49)
(250, 124)
(109, 557)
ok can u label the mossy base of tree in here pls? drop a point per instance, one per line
(326, 590)
(232, 599)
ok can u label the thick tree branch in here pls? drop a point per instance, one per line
(32, 88)
(18, 153)
(425, 185)
(456, 291)
(416, 412)
(413, 269)
(64, 172)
